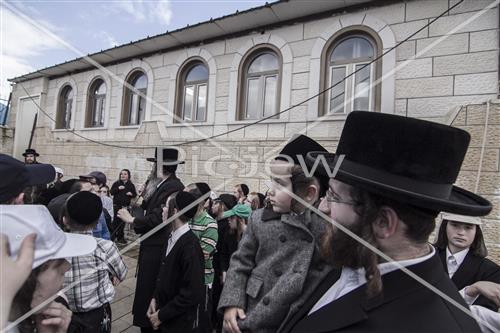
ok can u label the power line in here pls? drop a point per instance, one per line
(262, 119)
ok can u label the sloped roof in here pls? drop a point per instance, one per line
(279, 12)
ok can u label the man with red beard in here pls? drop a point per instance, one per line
(396, 176)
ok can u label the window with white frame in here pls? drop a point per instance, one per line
(194, 93)
(350, 57)
(135, 99)
(64, 108)
(261, 86)
(96, 103)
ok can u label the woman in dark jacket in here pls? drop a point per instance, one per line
(123, 190)
(462, 250)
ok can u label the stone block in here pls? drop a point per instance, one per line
(452, 44)
(483, 40)
(233, 45)
(300, 64)
(468, 5)
(390, 14)
(400, 107)
(258, 131)
(298, 113)
(484, 83)
(276, 130)
(224, 61)
(223, 75)
(414, 68)
(476, 114)
(488, 20)
(416, 10)
(424, 87)
(302, 48)
(300, 81)
(315, 28)
(216, 48)
(478, 62)
(440, 106)
(460, 118)
(473, 158)
(290, 33)
(222, 89)
(404, 30)
(299, 96)
(489, 183)
(221, 104)
(406, 50)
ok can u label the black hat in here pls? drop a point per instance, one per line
(203, 187)
(228, 200)
(406, 159)
(299, 145)
(84, 207)
(170, 156)
(30, 151)
(15, 176)
(244, 189)
(184, 199)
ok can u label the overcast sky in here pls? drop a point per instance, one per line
(90, 26)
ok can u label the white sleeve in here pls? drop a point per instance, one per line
(468, 299)
(489, 321)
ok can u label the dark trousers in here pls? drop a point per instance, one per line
(118, 225)
(97, 320)
(206, 313)
(148, 330)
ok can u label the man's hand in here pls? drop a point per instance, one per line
(488, 289)
(125, 216)
(56, 319)
(121, 187)
(129, 194)
(230, 315)
(13, 272)
(115, 280)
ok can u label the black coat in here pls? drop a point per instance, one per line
(151, 248)
(120, 197)
(180, 288)
(473, 269)
(404, 306)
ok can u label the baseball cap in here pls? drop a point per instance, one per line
(18, 221)
(239, 210)
(17, 176)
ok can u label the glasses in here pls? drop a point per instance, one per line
(331, 197)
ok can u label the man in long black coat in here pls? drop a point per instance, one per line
(390, 186)
(150, 250)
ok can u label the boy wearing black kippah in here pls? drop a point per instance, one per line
(180, 289)
(92, 277)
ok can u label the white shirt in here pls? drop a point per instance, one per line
(351, 279)
(453, 261)
(175, 235)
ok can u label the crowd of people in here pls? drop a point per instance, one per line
(318, 252)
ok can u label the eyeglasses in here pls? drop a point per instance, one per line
(331, 197)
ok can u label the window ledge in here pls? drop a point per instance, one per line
(267, 121)
(86, 129)
(60, 130)
(191, 124)
(129, 127)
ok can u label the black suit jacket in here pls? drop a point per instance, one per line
(151, 248)
(473, 269)
(180, 287)
(404, 306)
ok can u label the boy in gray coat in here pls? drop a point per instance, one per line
(277, 265)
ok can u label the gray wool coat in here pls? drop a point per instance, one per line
(276, 268)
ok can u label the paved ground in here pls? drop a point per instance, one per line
(122, 304)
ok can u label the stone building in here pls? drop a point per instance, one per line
(107, 110)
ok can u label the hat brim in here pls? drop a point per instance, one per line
(402, 189)
(40, 174)
(76, 245)
(167, 162)
(34, 154)
(228, 213)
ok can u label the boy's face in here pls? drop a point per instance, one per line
(281, 186)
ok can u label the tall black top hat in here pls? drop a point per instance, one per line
(406, 159)
(30, 151)
(170, 156)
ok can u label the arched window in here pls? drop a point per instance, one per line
(192, 92)
(347, 55)
(134, 104)
(261, 79)
(95, 104)
(64, 106)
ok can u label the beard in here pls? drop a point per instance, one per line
(341, 250)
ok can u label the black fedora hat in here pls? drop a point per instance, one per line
(409, 160)
(170, 156)
(30, 151)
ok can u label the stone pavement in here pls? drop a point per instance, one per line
(121, 306)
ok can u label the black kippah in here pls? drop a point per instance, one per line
(203, 187)
(84, 207)
(184, 199)
(244, 189)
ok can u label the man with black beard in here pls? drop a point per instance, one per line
(150, 251)
(394, 180)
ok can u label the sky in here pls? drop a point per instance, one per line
(27, 27)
